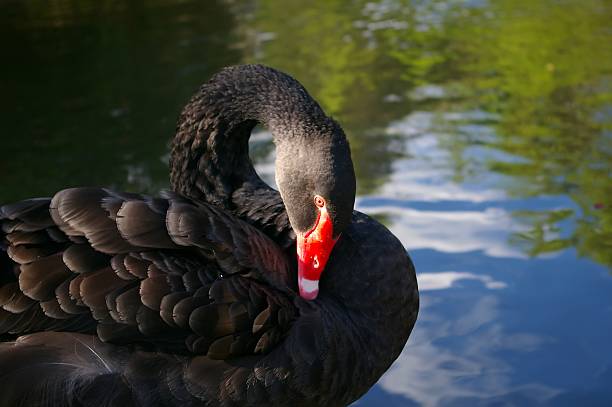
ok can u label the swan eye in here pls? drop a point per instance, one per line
(319, 201)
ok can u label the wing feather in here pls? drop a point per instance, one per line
(178, 275)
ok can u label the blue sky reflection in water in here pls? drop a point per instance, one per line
(496, 327)
(481, 134)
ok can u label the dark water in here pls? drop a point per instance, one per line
(481, 132)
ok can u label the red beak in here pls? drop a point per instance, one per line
(313, 250)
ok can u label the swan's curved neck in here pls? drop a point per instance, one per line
(210, 160)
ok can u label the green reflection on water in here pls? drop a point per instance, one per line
(545, 68)
(92, 90)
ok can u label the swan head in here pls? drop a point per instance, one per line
(316, 179)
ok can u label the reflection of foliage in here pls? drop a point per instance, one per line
(535, 65)
(544, 234)
(544, 68)
(349, 77)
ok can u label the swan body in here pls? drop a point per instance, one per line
(197, 297)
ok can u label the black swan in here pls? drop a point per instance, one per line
(197, 297)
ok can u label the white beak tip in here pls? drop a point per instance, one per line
(309, 289)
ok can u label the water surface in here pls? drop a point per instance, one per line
(481, 133)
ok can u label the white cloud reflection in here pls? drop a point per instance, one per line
(469, 372)
(445, 279)
(451, 231)
(427, 176)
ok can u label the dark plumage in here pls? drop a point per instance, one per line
(117, 299)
